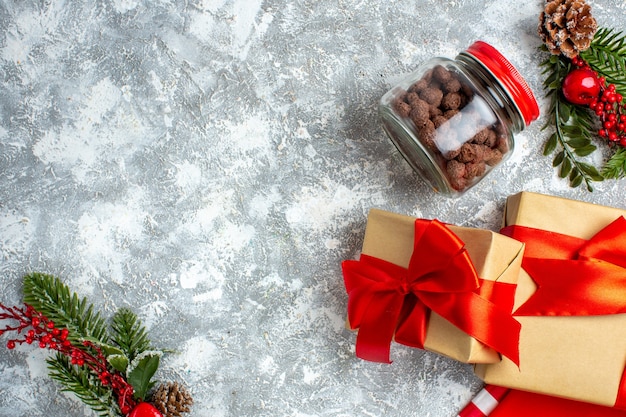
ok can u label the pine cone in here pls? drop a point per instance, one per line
(172, 399)
(567, 27)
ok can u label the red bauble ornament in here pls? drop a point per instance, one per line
(145, 410)
(581, 86)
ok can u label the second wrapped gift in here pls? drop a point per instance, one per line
(428, 285)
(571, 301)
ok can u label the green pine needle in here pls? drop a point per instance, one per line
(48, 295)
(85, 385)
(607, 56)
(129, 334)
(615, 167)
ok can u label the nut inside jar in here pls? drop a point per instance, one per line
(458, 127)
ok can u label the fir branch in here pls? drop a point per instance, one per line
(84, 385)
(48, 295)
(607, 56)
(615, 167)
(106, 376)
(572, 128)
(129, 333)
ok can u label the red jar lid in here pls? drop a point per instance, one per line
(510, 78)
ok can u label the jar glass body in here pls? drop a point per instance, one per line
(452, 121)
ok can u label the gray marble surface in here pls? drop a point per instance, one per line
(210, 163)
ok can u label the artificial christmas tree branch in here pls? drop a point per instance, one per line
(585, 77)
(110, 372)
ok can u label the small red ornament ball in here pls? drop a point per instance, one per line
(581, 86)
(145, 410)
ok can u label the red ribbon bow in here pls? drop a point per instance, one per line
(385, 299)
(575, 277)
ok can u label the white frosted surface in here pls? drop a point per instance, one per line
(210, 163)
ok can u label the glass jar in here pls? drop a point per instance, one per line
(453, 120)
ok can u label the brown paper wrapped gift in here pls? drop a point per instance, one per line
(577, 357)
(391, 239)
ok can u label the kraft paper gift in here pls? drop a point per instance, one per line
(573, 338)
(416, 277)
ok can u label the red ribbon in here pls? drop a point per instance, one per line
(576, 277)
(385, 299)
(524, 404)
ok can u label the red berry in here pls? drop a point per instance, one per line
(622, 141)
(11, 344)
(104, 374)
(35, 322)
(613, 136)
(145, 410)
(50, 325)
